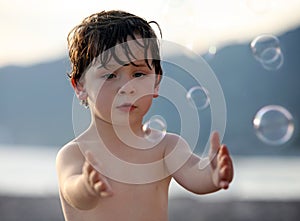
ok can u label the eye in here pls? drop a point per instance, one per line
(109, 76)
(138, 74)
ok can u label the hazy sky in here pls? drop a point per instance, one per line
(36, 30)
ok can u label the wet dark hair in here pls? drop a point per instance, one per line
(101, 32)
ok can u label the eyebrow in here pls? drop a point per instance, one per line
(138, 64)
(126, 64)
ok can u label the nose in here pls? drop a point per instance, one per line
(127, 89)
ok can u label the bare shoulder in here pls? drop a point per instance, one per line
(71, 149)
(173, 141)
(174, 138)
(70, 157)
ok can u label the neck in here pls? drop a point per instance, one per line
(116, 132)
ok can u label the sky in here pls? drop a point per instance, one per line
(34, 31)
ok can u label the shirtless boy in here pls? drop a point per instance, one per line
(112, 171)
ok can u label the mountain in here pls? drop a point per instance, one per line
(36, 104)
(36, 101)
(248, 87)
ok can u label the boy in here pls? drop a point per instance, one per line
(112, 171)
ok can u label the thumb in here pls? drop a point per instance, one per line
(90, 158)
(214, 146)
(96, 164)
(99, 168)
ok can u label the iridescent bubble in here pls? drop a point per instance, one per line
(266, 49)
(155, 128)
(198, 97)
(212, 50)
(273, 125)
(211, 53)
(275, 61)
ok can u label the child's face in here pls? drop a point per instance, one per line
(121, 93)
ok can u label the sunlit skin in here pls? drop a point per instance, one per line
(119, 98)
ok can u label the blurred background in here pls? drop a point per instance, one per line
(252, 46)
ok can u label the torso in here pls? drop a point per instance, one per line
(130, 202)
(143, 200)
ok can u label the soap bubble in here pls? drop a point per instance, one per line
(212, 50)
(275, 62)
(266, 49)
(198, 97)
(211, 53)
(273, 125)
(155, 128)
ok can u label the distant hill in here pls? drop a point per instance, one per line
(36, 101)
(36, 104)
(248, 87)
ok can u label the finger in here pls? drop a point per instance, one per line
(226, 161)
(94, 164)
(214, 148)
(214, 143)
(87, 169)
(224, 178)
(105, 182)
(87, 166)
(224, 185)
(223, 160)
(105, 194)
(99, 184)
(99, 187)
(102, 189)
(224, 157)
(224, 150)
(93, 177)
(226, 174)
(90, 158)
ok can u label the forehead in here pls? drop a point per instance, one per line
(133, 50)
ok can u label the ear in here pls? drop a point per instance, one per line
(155, 92)
(79, 90)
(156, 88)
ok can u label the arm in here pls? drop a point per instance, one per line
(184, 165)
(80, 184)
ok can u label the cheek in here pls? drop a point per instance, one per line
(103, 97)
(145, 101)
(96, 88)
(104, 105)
(147, 87)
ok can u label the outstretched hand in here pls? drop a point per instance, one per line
(221, 163)
(96, 183)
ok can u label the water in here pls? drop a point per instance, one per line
(30, 171)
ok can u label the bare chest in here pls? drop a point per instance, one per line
(129, 203)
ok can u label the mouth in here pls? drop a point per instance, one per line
(126, 107)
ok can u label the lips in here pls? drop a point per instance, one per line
(126, 107)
